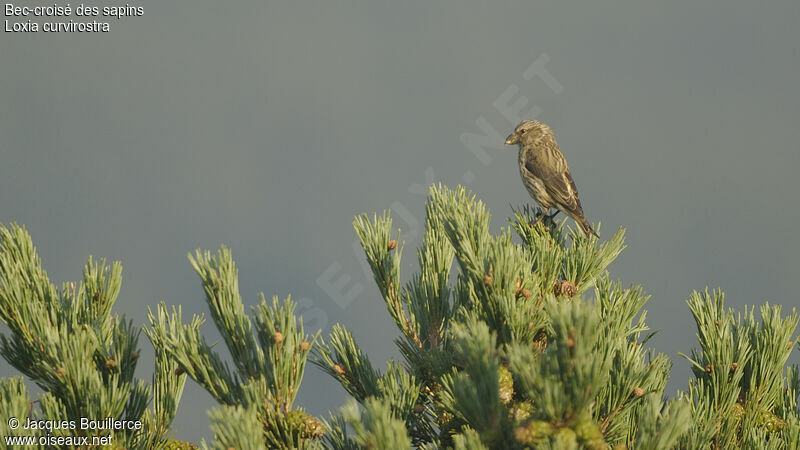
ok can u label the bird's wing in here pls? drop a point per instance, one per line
(551, 168)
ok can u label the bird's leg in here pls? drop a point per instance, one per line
(552, 216)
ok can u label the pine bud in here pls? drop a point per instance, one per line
(418, 408)
(518, 285)
(734, 367)
(278, 337)
(531, 431)
(789, 345)
(638, 392)
(134, 355)
(338, 369)
(305, 346)
(392, 244)
(61, 372)
(506, 385)
(110, 363)
(570, 342)
(565, 287)
(489, 278)
(565, 437)
(526, 293)
(709, 368)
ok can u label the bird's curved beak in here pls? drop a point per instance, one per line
(512, 139)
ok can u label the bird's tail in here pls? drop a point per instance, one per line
(585, 226)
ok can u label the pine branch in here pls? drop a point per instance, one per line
(343, 360)
(739, 396)
(221, 284)
(286, 348)
(269, 355)
(68, 342)
(186, 345)
(376, 426)
(472, 395)
(383, 256)
(235, 427)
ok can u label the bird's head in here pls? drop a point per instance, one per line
(526, 128)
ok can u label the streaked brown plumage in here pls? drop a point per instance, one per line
(545, 172)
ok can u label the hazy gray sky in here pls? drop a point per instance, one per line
(267, 126)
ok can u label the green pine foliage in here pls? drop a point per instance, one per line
(67, 341)
(269, 353)
(511, 339)
(531, 345)
(743, 396)
(14, 403)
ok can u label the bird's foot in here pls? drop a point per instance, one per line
(539, 221)
(545, 220)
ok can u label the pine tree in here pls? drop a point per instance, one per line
(82, 356)
(515, 339)
(508, 351)
(509, 354)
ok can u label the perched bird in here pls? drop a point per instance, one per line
(545, 172)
